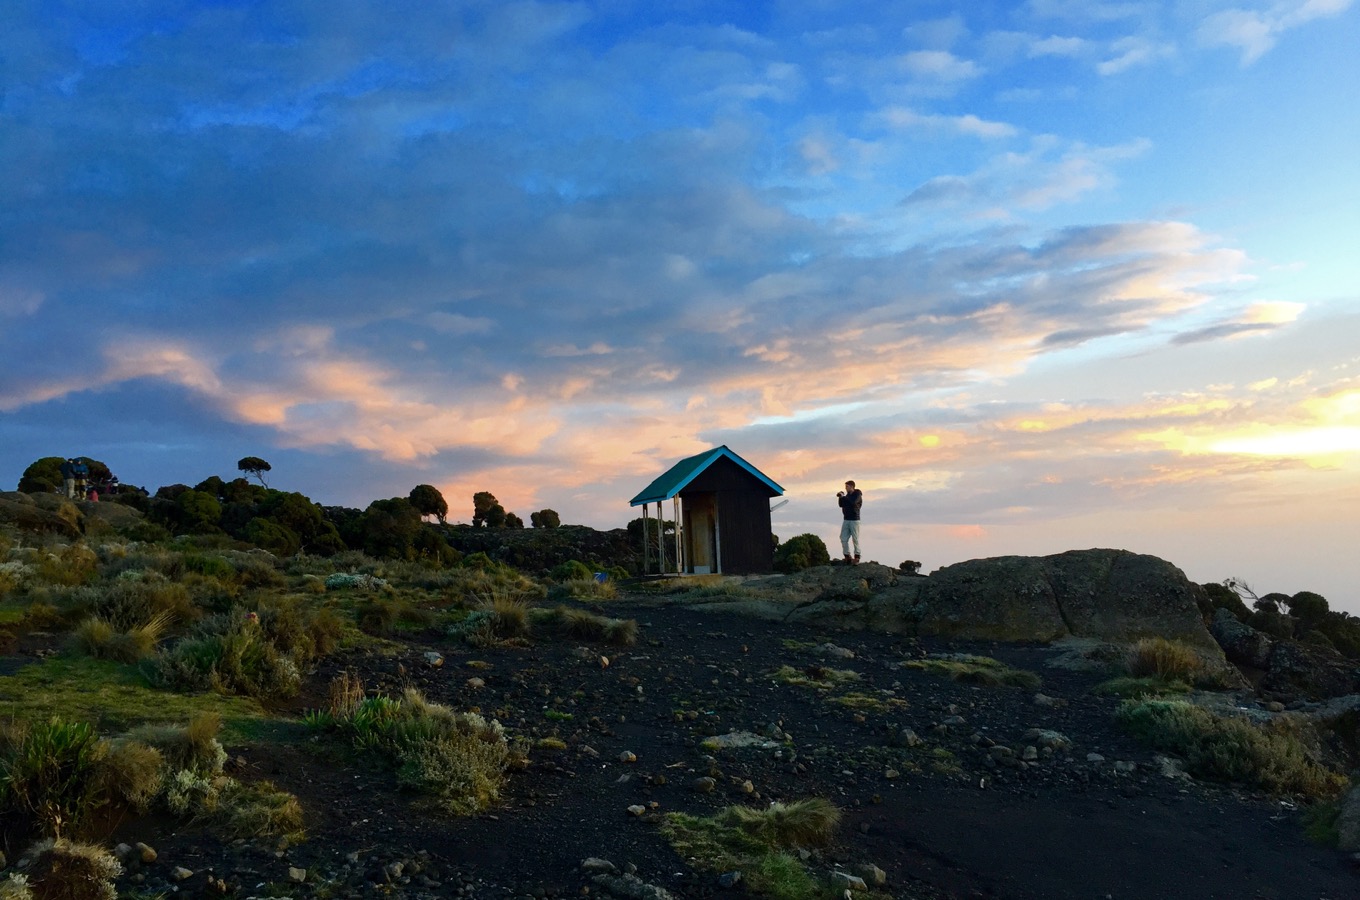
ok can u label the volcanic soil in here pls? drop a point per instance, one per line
(1104, 819)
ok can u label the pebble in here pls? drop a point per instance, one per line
(476, 683)
(595, 865)
(179, 873)
(627, 756)
(296, 875)
(704, 785)
(636, 809)
(729, 880)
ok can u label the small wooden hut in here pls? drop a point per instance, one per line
(721, 510)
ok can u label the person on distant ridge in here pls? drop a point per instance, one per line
(68, 478)
(850, 500)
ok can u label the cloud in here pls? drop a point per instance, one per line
(1256, 319)
(939, 65)
(1134, 51)
(968, 124)
(1255, 32)
(1053, 45)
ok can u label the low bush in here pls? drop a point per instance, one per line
(131, 773)
(194, 746)
(572, 570)
(802, 823)
(385, 615)
(1148, 686)
(583, 589)
(135, 598)
(1229, 748)
(256, 810)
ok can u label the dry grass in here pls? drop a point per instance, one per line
(1161, 658)
(98, 638)
(193, 747)
(344, 694)
(131, 773)
(258, 810)
(982, 670)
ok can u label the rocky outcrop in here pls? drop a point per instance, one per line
(1297, 670)
(40, 512)
(1109, 595)
(1241, 643)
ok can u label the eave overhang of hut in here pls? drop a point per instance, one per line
(677, 477)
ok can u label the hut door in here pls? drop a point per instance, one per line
(701, 532)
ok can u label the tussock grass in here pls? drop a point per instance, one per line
(256, 810)
(1161, 658)
(99, 638)
(580, 624)
(1228, 748)
(982, 670)
(1151, 686)
(229, 654)
(802, 823)
(131, 773)
(583, 589)
(48, 776)
(64, 870)
(193, 746)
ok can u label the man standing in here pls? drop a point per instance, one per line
(68, 478)
(850, 499)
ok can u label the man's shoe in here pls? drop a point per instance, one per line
(847, 559)
(856, 560)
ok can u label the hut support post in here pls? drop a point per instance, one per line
(679, 553)
(646, 540)
(660, 539)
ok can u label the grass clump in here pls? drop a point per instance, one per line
(1161, 658)
(48, 782)
(583, 589)
(981, 670)
(229, 654)
(258, 809)
(459, 759)
(1228, 748)
(760, 843)
(583, 625)
(100, 639)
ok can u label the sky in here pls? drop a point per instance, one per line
(1039, 276)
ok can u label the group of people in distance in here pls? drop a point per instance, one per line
(76, 484)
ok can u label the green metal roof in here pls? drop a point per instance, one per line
(674, 479)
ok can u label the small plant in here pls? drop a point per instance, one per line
(98, 638)
(815, 676)
(802, 823)
(257, 810)
(1131, 688)
(583, 589)
(131, 773)
(193, 746)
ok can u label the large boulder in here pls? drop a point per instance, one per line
(1296, 670)
(1241, 643)
(1109, 595)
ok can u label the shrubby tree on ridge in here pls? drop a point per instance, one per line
(253, 465)
(487, 511)
(545, 518)
(428, 501)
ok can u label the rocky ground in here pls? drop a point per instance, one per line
(947, 788)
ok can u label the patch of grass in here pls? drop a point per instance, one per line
(982, 670)
(1132, 688)
(229, 654)
(111, 695)
(583, 589)
(1228, 748)
(791, 644)
(193, 747)
(556, 715)
(757, 842)
(820, 677)
(131, 773)
(872, 702)
(550, 743)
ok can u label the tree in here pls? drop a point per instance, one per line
(513, 521)
(545, 518)
(388, 528)
(44, 475)
(487, 511)
(253, 465)
(197, 511)
(429, 502)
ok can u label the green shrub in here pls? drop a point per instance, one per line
(135, 598)
(384, 615)
(1229, 748)
(257, 810)
(572, 570)
(193, 747)
(73, 564)
(230, 654)
(212, 566)
(802, 823)
(583, 589)
(801, 552)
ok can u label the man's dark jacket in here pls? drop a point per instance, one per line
(850, 504)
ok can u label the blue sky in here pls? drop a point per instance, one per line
(1040, 275)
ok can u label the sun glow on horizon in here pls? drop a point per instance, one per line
(1306, 442)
